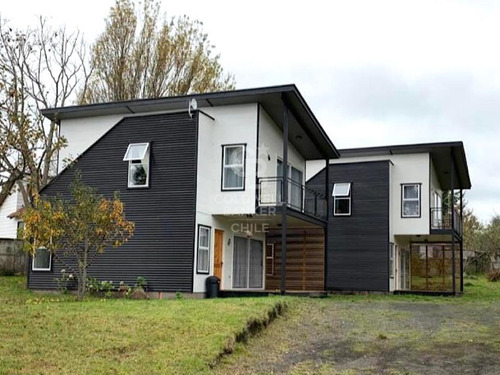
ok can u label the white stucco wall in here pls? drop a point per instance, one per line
(233, 125)
(271, 149)
(230, 125)
(8, 227)
(81, 133)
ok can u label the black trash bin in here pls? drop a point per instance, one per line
(213, 286)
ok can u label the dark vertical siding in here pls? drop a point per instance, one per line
(358, 245)
(164, 214)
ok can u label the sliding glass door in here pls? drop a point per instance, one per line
(247, 263)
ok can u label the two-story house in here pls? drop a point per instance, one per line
(217, 186)
(393, 224)
(207, 182)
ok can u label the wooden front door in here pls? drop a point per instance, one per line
(218, 243)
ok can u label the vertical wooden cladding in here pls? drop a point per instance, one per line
(304, 259)
(358, 245)
(164, 214)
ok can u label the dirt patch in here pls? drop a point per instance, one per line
(364, 336)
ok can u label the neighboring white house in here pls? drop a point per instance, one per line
(9, 224)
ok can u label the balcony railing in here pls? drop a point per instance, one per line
(300, 198)
(443, 219)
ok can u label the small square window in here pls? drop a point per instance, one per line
(233, 167)
(42, 260)
(342, 199)
(137, 155)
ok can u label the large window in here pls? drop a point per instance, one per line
(342, 199)
(203, 257)
(137, 156)
(410, 205)
(42, 260)
(233, 167)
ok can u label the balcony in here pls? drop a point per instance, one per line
(300, 198)
(442, 219)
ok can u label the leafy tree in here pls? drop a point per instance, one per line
(142, 54)
(76, 230)
(39, 67)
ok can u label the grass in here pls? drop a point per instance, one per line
(380, 334)
(54, 334)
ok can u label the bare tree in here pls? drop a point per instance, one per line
(142, 54)
(39, 68)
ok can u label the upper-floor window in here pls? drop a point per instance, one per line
(410, 205)
(42, 260)
(137, 156)
(342, 199)
(233, 167)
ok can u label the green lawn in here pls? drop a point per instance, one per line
(56, 335)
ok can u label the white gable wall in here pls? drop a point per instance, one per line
(81, 133)
(8, 227)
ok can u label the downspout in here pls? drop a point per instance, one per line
(461, 240)
(325, 229)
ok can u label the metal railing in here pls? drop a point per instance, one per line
(443, 219)
(300, 197)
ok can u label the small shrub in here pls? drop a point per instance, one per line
(96, 287)
(493, 276)
(64, 282)
(6, 272)
(141, 282)
(179, 295)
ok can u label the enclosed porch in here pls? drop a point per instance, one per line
(427, 267)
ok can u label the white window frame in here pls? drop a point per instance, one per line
(49, 268)
(418, 199)
(143, 161)
(341, 195)
(392, 249)
(228, 166)
(203, 249)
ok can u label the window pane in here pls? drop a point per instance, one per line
(240, 263)
(411, 208)
(233, 155)
(341, 190)
(41, 259)
(136, 151)
(203, 240)
(296, 175)
(203, 260)
(233, 177)
(410, 191)
(138, 174)
(342, 206)
(256, 264)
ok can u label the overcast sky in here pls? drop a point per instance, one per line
(374, 72)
